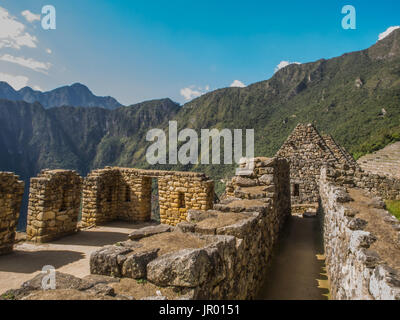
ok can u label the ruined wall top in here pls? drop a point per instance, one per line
(154, 173)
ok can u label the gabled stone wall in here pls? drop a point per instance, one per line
(307, 151)
(54, 204)
(11, 192)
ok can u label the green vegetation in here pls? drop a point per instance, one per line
(141, 281)
(354, 97)
(8, 296)
(394, 207)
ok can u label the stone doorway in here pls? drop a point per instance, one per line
(155, 204)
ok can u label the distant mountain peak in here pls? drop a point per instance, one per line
(76, 95)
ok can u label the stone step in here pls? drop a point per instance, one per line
(250, 193)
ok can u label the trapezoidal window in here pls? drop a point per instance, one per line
(127, 194)
(109, 194)
(181, 200)
(296, 190)
(63, 200)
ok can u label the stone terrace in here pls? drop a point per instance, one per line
(384, 162)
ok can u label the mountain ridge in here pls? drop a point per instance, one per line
(77, 95)
(354, 97)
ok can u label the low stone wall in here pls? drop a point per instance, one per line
(125, 194)
(355, 271)
(54, 204)
(240, 234)
(380, 185)
(11, 192)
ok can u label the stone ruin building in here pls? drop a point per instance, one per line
(125, 194)
(109, 194)
(11, 192)
(220, 250)
(307, 151)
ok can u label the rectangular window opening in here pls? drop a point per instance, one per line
(181, 200)
(296, 190)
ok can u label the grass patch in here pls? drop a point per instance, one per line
(141, 281)
(8, 296)
(394, 207)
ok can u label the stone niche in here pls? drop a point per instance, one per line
(125, 194)
(54, 205)
(11, 192)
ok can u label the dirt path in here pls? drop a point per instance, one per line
(70, 254)
(296, 273)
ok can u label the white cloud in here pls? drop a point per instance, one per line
(17, 82)
(12, 32)
(238, 83)
(284, 64)
(389, 30)
(30, 16)
(192, 92)
(27, 63)
(49, 51)
(37, 88)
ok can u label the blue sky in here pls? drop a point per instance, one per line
(141, 50)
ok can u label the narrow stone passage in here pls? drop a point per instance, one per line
(295, 272)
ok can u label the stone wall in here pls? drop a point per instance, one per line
(179, 192)
(111, 193)
(355, 271)
(383, 186)
(54, 204)
(380, 185)
(125, 194)
(307, 151)
(240, 234)
(11, 192)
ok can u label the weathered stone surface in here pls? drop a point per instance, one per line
(58, 216)
(355, 271)
(266, 179)
(11, 192)
(244, 182)
(356, 224)
(136, 263)
(186, 226)
(198, 215)
(185, 268)
(149, 231)
(108, 260)
(68, 287)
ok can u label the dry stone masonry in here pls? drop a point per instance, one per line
(54, 203)
(203, 250)
(125, 194)
(11, 192)
(355, 271)
(229, 248)
(307, 151)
